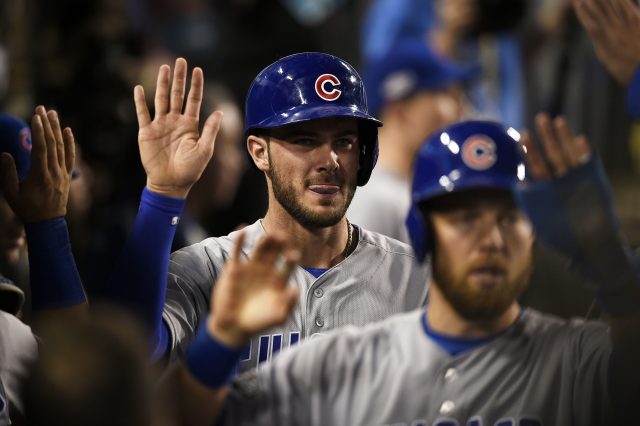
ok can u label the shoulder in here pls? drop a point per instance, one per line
(575, 331)
(217, 249)
(380, 242)
(18, 344)
(14, 331)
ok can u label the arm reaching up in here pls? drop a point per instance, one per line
(584, 227)
(250, 296)
(40, 201)
(174, 154)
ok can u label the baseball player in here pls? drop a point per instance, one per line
(474, 356)
(309, 131)
(414, 91)
(35, 174)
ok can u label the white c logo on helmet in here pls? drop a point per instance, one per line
(479, 152)
(328, 95)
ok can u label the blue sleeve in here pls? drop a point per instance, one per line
(633, 95)
(139, 279)
(54, 279)
(574, 214)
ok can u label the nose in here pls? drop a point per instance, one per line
(492, 237)
(329, 161)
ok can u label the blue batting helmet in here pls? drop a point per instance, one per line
(310, 86)
(462, 156)
(15, 138)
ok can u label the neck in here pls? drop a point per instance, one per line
(396, 153)
(319, 247)
(443, 318)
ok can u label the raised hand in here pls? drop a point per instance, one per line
(614, 28)
(560, 151)
(43, 194)
(252, 295)
(173, 151)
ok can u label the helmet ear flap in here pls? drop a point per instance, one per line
(368, 139)
(421, 232)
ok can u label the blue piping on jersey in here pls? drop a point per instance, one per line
(456, 345)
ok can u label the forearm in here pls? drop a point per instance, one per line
(139, 279)
(54, 277)
(574, 214)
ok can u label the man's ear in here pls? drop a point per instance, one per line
(258, 149)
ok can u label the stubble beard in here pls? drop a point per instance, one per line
(285, 195)
(483, 304)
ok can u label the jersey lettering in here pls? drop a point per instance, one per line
(268, 346)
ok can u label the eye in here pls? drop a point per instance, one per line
(303, 141)
(464, 217)
(511, 217)
(344, 143)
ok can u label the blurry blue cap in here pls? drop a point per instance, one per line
(408, 67)
(15, 138)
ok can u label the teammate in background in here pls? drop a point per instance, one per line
(414, 91)
(36, 188)
(474, 356)
(15, 138)
(308, 130)
(614, 28)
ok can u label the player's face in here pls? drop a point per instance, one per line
(483, 252)
(12, 236)
(313, 169)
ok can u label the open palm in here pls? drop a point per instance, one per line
(173, 151)
(252, 294)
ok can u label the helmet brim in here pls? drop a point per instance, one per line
(304, 113)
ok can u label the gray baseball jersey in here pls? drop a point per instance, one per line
(541, 371)
(379, 278)
(18, 347)
(4, 407)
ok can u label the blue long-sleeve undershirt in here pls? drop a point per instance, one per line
(54, 278)
(139, 278)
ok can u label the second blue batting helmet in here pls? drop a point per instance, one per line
(15, 138)
(463, 156)
(311, 86)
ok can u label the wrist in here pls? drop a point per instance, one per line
(211, 361)
(179, 192)
(226, 334)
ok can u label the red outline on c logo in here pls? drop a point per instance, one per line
(479, 152)
(322, 92)
(25, 139)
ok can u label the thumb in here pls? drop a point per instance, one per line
(210, 131)
(9, 176)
